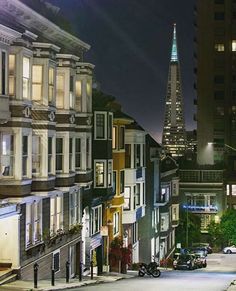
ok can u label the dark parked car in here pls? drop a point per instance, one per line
(204, 246)
(184, 261)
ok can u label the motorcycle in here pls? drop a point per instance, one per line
(149, 269)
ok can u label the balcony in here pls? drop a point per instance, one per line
(4, 109)
(201, 176)
(201, 209)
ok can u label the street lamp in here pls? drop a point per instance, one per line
(224, 144)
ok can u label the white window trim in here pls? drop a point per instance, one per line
(77, 208)
(54, 253)
(116, 223)
(93, 220)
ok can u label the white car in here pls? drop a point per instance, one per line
(229, 250)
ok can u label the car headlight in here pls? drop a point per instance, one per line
(175, 263)
(188, 262)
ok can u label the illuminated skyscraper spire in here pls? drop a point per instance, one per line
(173, 138)
(174, 51)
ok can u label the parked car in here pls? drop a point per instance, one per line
(229, 250)
(205, 246)
(201, 261)
(184, 261)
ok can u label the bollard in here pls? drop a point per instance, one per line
(91, 272)
(53, 277)
(80, 272)
(67, 271)
(36, 266)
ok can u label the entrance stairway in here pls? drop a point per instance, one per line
(6, 274)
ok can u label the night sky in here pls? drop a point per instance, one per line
(130, 47)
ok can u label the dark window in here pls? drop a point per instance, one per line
(77, 153)
(114, 182)
(137, 194)
(3, 73)
(219, 95)
(59, 154)
(219, 79)
(56, 262)
(109, 129)
(49, 154)
(128, 156)
(122, 182)
(24, 155)
(71, 83)
(219, 16)
(100, 123)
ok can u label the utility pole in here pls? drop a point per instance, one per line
(187, 227)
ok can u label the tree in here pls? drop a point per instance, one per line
(228, 226)
(215, 236)
(193, 226)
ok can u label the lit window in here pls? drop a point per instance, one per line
(75, 205)
(60, 90)
(116, 223)
(7, 154)
(12, 72)
(51, 74)
(96, 219)
(36, 155)
(100, 168)
(114, 136)
(72, 92)
(56, 214)
(110, 173)
(26, 76)
(234, 45)
(37, 80)
(89, 95)
(127, 198)
(33, 223)
(219, 47)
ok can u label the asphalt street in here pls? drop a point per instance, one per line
(221, 270)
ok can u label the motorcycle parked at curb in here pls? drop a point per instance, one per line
(149, 269)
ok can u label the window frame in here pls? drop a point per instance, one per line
(6, 173)
(37, 83)
(104, 127)
(96, 185)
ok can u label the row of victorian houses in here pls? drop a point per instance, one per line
(76, 172)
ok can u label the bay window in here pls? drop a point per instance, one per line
(77, 153)
(11, 74)
(59, 154)
(56, 214)
(99, 174)
(89, 95)
(7, 154)
(26, 78)
(60, 90)
(37, 82)
(96, 219)
(78, 95)
(24, 156)
(36, 154)
(51, 73)
(33, 223)
(75, 206)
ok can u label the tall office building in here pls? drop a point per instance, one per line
(173, 138)
(216, 87)
(216, 79)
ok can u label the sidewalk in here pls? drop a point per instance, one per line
(232, 286)
(45, 285)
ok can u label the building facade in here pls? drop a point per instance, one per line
(44, 173)
(173, 137)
